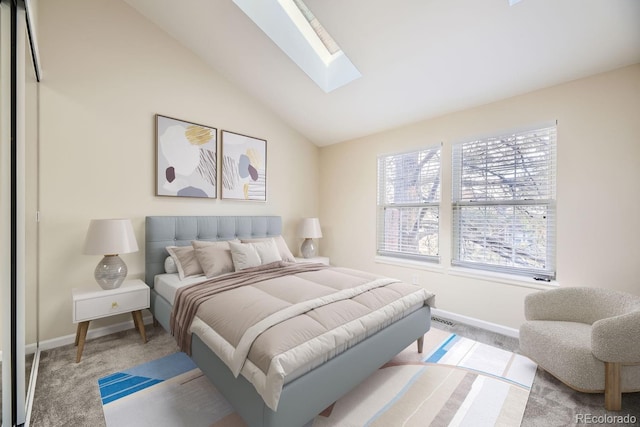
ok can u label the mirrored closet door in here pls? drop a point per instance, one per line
(5, 208)
(19, 75)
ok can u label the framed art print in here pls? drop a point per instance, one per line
(244, 167)
(186, 158)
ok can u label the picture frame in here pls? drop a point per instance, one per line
(186, 158)
(244, 167)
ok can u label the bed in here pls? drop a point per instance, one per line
(302, 398)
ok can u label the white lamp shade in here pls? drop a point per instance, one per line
(110, 237)
(310, 229)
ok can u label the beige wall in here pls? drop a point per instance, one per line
(107, 71)
(598, 195)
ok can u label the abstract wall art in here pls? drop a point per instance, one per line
(244, 167)
(186, 158)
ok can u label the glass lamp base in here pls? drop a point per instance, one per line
(308, 248)
(110, 272)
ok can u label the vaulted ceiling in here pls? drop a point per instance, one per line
(418, 58)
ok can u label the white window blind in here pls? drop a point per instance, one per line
(504, 203)
(408, 204)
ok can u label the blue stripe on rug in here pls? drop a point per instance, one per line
(397, 397)
(164, 368)
(442, 350)
(121, 384)
(111, 378)
(125, 387)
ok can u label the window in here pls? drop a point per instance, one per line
(504, 203)
(408, 204)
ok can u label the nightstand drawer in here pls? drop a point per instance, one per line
(95, 308)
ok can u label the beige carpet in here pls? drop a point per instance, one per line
(66, 392)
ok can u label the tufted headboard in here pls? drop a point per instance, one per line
(163, 231)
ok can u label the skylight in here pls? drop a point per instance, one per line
(291, 25)
(324, 36)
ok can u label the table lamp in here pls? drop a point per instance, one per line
(309, 230)
(110, 237)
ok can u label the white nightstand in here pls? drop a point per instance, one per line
(320, 259)
(95, 303)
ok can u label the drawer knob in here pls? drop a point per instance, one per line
(114, 304)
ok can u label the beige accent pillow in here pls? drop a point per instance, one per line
(247, 255)
(186, 261)
(283, 249)
(214, 257)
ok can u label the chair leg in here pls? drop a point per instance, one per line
(612, 386)
(420, 343)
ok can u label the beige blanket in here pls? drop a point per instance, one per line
(281, 321)
(189, 298)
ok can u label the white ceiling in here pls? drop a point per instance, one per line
(418, 58)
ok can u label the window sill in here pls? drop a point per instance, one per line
(509, 279)
(421, 265)
(490, 276)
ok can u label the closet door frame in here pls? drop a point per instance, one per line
(13, 38)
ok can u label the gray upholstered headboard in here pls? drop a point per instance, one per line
(163, 231)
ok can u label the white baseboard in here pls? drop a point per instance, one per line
(92, 333)
(472, 321)
(30, 348)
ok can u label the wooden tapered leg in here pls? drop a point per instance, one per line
(77, 334)
(420, 344)
(81, 337)
(327, 411)
(612, 386)
(137, 321)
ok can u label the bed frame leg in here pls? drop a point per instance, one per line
(420, 343)
(327, 411)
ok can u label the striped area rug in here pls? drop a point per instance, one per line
(454, 382)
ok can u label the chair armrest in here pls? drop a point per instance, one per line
(617, 339)
(559, 304)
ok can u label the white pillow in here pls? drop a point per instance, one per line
(247, 255)
(170, 265)
(285, 252)
(267, 251)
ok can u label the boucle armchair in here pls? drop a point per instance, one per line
(588, 338)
